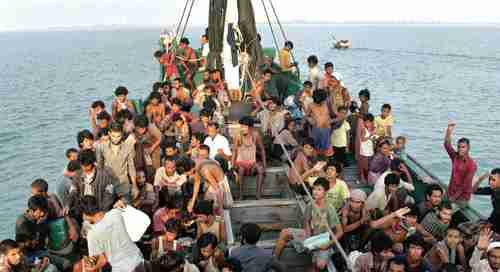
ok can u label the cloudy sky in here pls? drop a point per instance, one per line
(29, 14)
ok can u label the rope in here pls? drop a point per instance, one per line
(332, 234)
(187, 19)
(180, 21)
(271, 27)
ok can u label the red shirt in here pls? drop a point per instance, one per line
(462, 173)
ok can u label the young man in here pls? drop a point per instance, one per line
(449, 250)
(118, 156)
(398, 168)
(218, 144)
(169, 63)
(206, 221)
(63, 187)
(494, 191)
(245, 155)
(33, 223)
(400, 148)
(188, 60)
(272, 118)
(396, 264)
(338, 95)
(121, 102)
(376, 259)
(463, 169)
(205, 49)
(492, 250)
(339, 191)
(327, 76)
(364, 145)
(306, 98)
(340, 137)
(384, 122)
(209, 256)
(11, 256)
(314, 71)
(379, 199)
(436, 224)
(303, 162)
(433, 199)
(355, 219)
(109, 238)
(285, 57)
(85, 140)
(314, 224)
(150, 138)
(364, 97)
(414, 257)
(167, 177)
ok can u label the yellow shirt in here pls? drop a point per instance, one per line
(339, 136)
(285, 63)
(337, 195)
(382, 124)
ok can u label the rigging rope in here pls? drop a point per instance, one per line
(187, 18)
(181, 20)
(271, 27)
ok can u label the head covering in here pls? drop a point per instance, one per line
(493, 246)
(358, 195)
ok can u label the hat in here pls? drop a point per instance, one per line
(358, 195)
(493, 246)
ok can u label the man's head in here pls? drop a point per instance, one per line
(72, 154)
(391, 182)
(364, 95)
(368, 119)
(308, 86)
(207, 244)
(494, 178)
(396, 166)
(204, 210)
(289, 45)
(396, 264)
(412, 216)
(453, 237)
(320, 187)
(319, 96)
(39, 187)
(415, 246)
(268, 75)
(87, 161)
(38, 207)
(72, 167)
(331, 170)
(90, 209)
(11, 252)
(463, 147)
(250, 233)
(246, 125)
(141, 124)
(434, 195)
(308, 147)
(312, 61)
(98, 106)
(357, 199)
(184, 42)
(121, 94)
(85, 139)
(215, 75)
(204, 39)
(385, 148)
(212, 129)
(103, 119)
(445, 213)
(329, 68)
(494, 256)
(342, 112)
(169, 164)
(386, 110)
(171, 229)
(158, 53)
(400, 142)
(381, 246)
(204, 152)
(155, 98)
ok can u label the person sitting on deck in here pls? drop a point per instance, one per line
(147, 139)
(436, 224)
(63, 187)
(340, 137)
(384, 122)
(155, 107)
(244, 158)
(449, 250)
(121, 102)
(433, 199)
(463, 169)
(414, 257)
(380, 162)
(396, 264)
(208, 255)
(492, 250)
(314, 71)
(287, 138)
(306, 98)
(376, 259)
(85, 140)
(168, 208)
(212, 175)
(167, 241)
(494, 191)
(379, 199)
(219, 144)
(304, 161)
(317, 219)
(339, 191)
(196, 141)
(167, 177)
(147, 197)
(206, 221)
(272, 118)
(11, 257)
(398, 168)
(355, 219)
(188, 60)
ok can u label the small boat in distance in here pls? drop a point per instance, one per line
(342, 44)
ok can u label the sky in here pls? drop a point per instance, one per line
(40, 14)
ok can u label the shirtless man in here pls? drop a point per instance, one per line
(244, 155)
(121, 102)
(210, 172)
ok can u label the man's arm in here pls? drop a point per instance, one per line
(131, 167)
(447, 141)
(484, 190)
(260, 144)
(468, 180)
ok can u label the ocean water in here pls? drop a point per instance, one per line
(429, 74)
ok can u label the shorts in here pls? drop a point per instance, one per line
(322, 138)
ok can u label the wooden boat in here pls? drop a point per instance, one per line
(342, 44)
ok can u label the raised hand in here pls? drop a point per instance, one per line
(484, 238)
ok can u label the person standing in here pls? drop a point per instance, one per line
(463, 168)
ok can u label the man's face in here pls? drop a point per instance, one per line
(331, 173)
(494, 259)
(115, 137)
(122, 98)
(415, 252)
(170, 151)
(435, 198)
(207, 252)
(203, 154)
(171, 236)
(494, 181)
(35, 191)
(169, 167)
(73, 156)
(453, 238)
(87, 168)
(342, 114)
(91, 219)
(307, 89)
(386, 149)
(445, 215)
(38, 215)
(87, 143)
(329, 70)
(463, 149)
(177, 84)
(396, 267)
(211, 131)
(14, 256)
(318, 192)
(308, 150)
(411, 220)
(103, 123)
(385, 112)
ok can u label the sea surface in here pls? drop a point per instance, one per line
(430, 74)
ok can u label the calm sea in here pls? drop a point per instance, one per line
(430, 74)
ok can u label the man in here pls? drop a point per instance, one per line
(463, 169)
(118, 155)
(272, 118)
(218, 144)
(108, 239)
(188, 60)
(379, 199)
(148, 138)
(205, 49)
(304, 160)
(338, 95)
(167, 177)
(33, 223)
(355, 219)
(339, 191)
(85, 140)
(314, 71)
(62, 191)
(414, 261)
(95, 181)
(178, 91)
(433, 198)
(436, 224)
(11, 256)
(285, 57)
(211, 173)
(376, 259)
(396, 264)
(492, 250)
(327, 76)
(245, 155)
(494, 191)
(252, 257)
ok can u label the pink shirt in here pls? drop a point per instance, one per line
(462, 173)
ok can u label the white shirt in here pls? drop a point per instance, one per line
(380, 185)
(315, 76)
(205, 49)
(366, 147)
(218, 142)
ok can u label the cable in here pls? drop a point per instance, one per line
(181, 20)
(271, 27)
(187, 19)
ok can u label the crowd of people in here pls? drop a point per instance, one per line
(176, 159)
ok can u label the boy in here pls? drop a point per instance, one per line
(121, 102)
(364, 97)
(384, 122)
(400, 148)
(340, 137)
(10, 256)
(314, 71)
(306, 98)
(318, 116)
(315, 224)
(339, 191)
(207, 222)
(72, 154)
(85, 140)
(449, 250)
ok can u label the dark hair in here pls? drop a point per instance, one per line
(170, 158)
(123, 115)
(415, 239)
(396, 164)
(289, 44)
(156, 86)
(38, 202)
(268, 71)
(205, 112)
(247, 121)
(73, 166)
(308, 141)
(41, 185)
(184, 164)
(154, 95)
(158, 53)
(354, 107)
(177, 117)
(87, 157)
(380, 242)
(449, 267)
(464, 141)
(397, 260)
(121, 91)
(7, 245)
(82, 135)
(98, 103)
(205, 147)
(141, 121)
(319, 95)
(368, 117)
(172, 225)
(213, 124)
(342, 108)
(102, 132)
(116, 127)
(205, 36)
(413, 210)
(495, 171)
(104, 115)
(307, 83)
(431, 188)
(312, 59)
(391, 179)
(250, 233)
(365, 93)
(323, 182)
(386, 106)
(171, 261)
(205, 207)
(184, 40)
(445, 205)
(233, 264)
(328, 64)
(89, 206)
(71, 150)
(207, 239)
(199, 136)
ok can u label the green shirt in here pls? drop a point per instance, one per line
(316, 217)
(337, 195)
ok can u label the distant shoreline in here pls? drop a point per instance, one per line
(289, 23)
